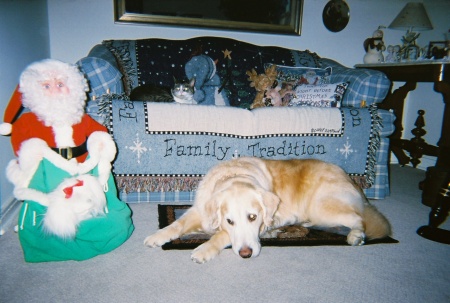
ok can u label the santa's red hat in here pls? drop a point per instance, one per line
(12, 111)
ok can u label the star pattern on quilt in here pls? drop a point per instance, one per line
(138, 148)
(347, 149)
(227, 54)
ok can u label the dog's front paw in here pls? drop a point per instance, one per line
(356, 237)
(155, 240)
(204, 253)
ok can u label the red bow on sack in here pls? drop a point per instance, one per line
(69, 190)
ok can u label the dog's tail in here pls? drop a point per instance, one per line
(376, 224)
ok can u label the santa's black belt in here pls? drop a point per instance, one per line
(71, 152)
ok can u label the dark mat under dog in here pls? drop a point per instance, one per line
(293, 235)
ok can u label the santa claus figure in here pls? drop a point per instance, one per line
(55, 94)
(63, 168)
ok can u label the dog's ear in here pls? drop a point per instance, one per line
(215, 200)
(212, 208)
(270, 203)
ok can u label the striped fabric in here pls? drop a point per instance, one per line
(181, 197)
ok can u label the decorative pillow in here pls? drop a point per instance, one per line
(102, 76)
(324, 95)
(303, 75)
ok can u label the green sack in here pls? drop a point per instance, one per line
(94, 236)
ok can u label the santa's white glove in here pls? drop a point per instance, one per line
(102, 150)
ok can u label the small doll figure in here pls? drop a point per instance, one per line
(390, 57)
(374, 48)
(396, 54)
(393, 54)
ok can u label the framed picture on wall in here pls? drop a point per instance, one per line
(267, 16)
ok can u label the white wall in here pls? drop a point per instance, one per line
(76, 25)
(23, 39)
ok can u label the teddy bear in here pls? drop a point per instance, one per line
(202, 68)
(269, 92)
(62, 172)
(262, 83)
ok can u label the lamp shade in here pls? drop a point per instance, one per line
(412, 17)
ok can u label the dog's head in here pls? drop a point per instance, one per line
(243, 210)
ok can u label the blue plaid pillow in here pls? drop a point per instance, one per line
(101, 75)
(366, 85)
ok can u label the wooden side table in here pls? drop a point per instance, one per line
(437, 72)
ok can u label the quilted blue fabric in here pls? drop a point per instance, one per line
(151, 162)
(158, 61)
(120, 65)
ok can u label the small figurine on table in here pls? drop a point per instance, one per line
(390, 57)
(397, 53)
(374, 48)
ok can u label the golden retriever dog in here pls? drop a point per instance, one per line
(239, 200)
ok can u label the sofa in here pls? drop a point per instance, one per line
(164, 149)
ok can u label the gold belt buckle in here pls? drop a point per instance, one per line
(69, 154)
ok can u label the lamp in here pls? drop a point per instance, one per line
(412, 17)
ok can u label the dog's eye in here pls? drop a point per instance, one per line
(251, 217)
(230, 221)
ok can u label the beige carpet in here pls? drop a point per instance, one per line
(414, 270)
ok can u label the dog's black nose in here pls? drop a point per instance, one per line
(245, 252)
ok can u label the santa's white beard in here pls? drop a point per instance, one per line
(54, 107)
(58, 110)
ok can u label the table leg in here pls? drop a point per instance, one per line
(443, 159)
(396, 101)
(429, 194)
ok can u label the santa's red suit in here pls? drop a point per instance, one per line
(28, 126)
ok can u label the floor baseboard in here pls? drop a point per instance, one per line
(8, 218)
